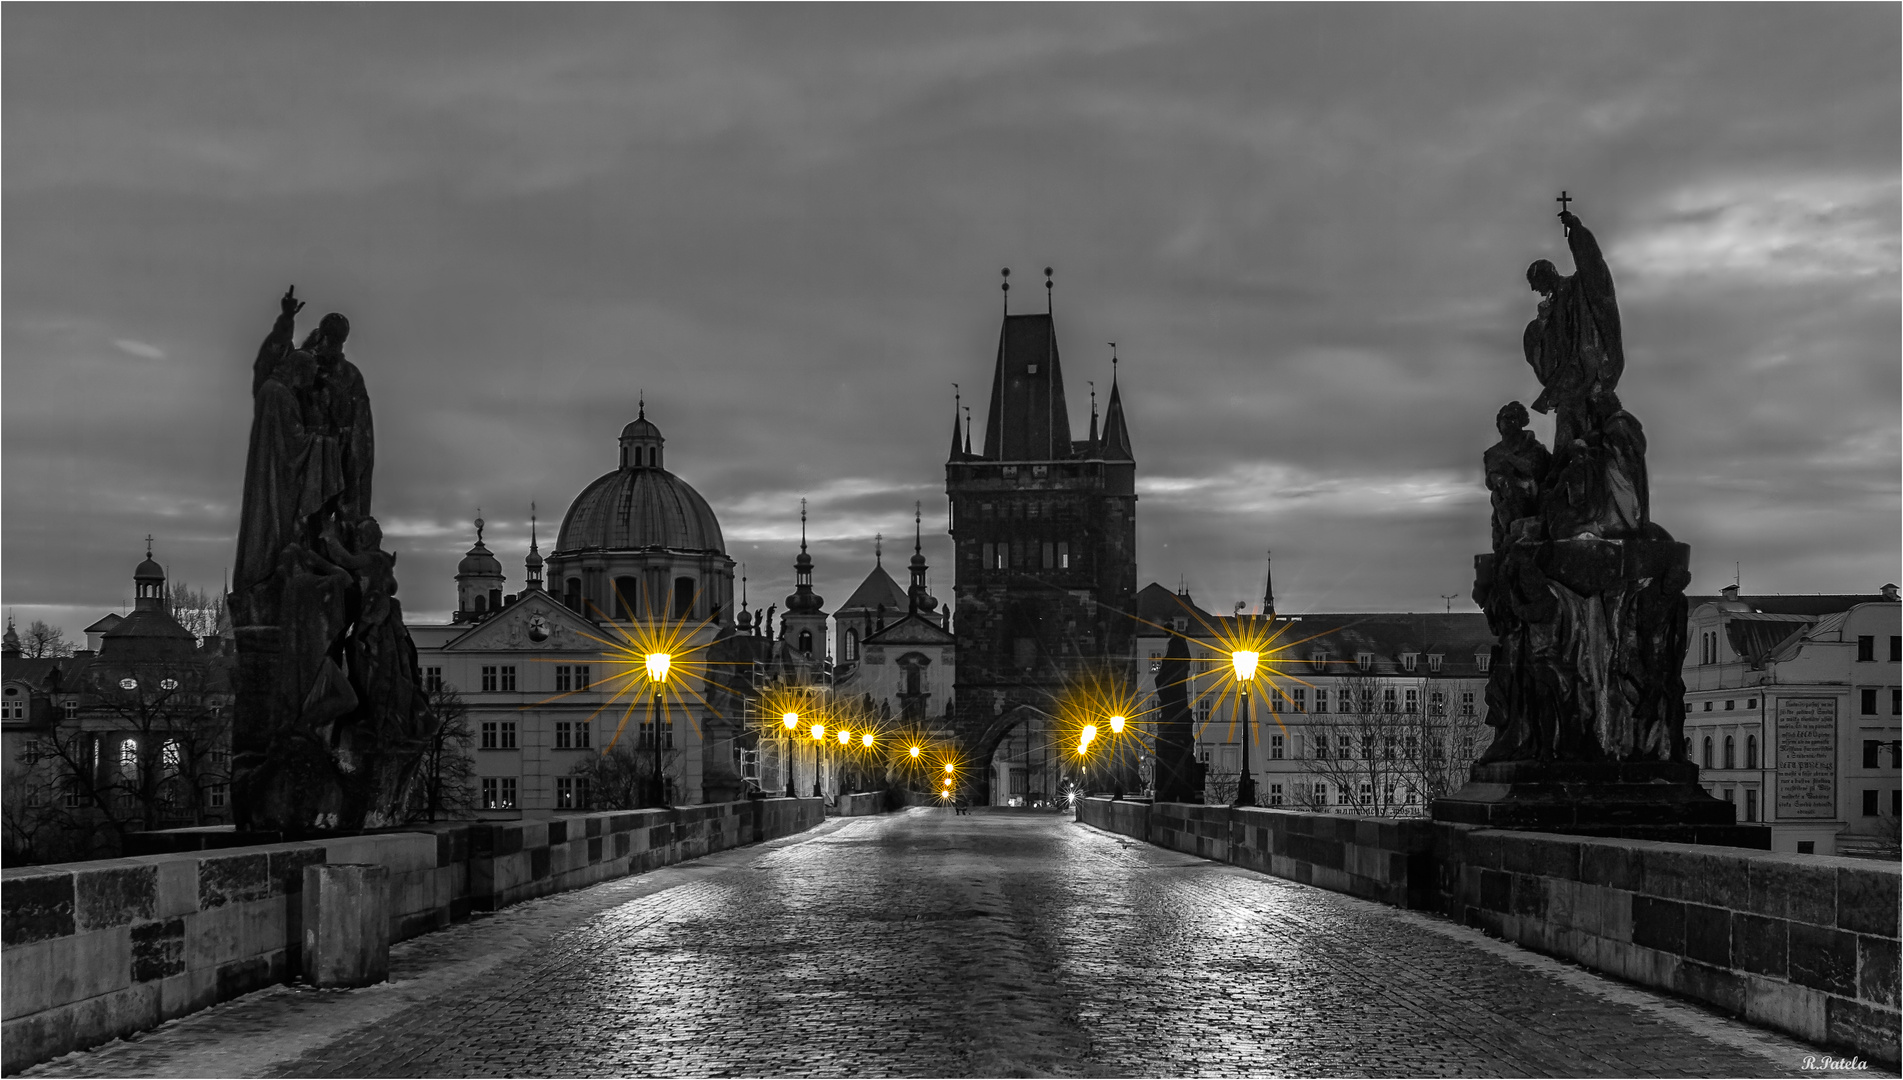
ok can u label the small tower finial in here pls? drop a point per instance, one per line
(802, 523)
(148, 545)
(1047, 292)
(1007, 290)
(478, 524)
(918, 528)
(967, 429)
(642, 401)
(743, 586)
(531, 526)
(1268, 583)
(878, 549)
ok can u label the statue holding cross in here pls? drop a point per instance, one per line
(1574, 343)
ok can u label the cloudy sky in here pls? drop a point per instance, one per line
(1305, 227)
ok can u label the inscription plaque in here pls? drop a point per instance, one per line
(1806, 758)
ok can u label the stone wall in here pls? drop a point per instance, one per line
(101, 949)
(1802, 943)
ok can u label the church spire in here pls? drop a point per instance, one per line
(1268, 584)
(1116, 434)
(532, 578)
(921, 602)
(803, 599)
(1028, 419)
(957, 404)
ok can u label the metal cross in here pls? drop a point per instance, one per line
(1562, 200)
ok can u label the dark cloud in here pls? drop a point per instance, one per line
(1304, 226)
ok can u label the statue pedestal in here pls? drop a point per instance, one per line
(1640, 800)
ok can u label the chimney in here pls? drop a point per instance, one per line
(1889, 591)
(1729, 592)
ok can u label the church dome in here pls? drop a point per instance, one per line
(149, 570)
(640, 508)
(480, 561)
(641, 504)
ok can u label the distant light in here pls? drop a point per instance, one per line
(1244, 663)
(658, 663)
(1090, 732)
(819, 731)
(948, 767)
(791, 720)
(915, 751)
(1116, 724)
(866, 739)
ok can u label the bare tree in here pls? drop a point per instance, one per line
(618, 778)
(195, 610)
(149, 748)
(445, 782)
(43, 640)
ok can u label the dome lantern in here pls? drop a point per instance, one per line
(641, 442)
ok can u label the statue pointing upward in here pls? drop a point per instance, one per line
(1574, 344)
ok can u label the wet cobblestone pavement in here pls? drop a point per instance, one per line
(923, 944)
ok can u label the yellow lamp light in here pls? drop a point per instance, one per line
(819, 731)
(791, 720)
(1116, 724)
(845, 736)
(915, 751)
(1244, 664)
(948, 767)
(658, 663)
(866, 739)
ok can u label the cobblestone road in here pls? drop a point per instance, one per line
(1001, 944)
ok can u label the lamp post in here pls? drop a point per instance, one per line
(789, 723)
(1244, 665)
(819, 742)
(658, 664)
(1116, 728)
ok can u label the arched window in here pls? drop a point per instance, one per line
(626, 588)
(683, 597)
(1750, 751)
(806, 644)
(654, 456)
(571, 594)
(1731, 756)
(852, 644)
(1707, 751)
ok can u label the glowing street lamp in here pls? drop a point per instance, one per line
(1116, 728)
(915, 753)
(1116, 724)
(866, 740)
(790, 721)
(1244, 663)
(819, 740)
(657, 664)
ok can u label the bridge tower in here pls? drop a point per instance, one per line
(1044, 531)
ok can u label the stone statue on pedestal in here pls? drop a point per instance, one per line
(1584, 592)
(331, 715)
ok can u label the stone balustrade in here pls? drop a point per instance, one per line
(96, 950)
(1804, 944)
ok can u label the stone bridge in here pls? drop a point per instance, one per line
(1003, 943)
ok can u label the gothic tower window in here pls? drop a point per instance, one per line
(852, 644)
(806, 644)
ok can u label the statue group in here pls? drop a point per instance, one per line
(1585, 593)
(331, 716)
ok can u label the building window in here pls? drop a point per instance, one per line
(1367, 699)
(852, 644)
(1063, 555)
(1277, 701)
(498, 793)
(1344, 747)
(1202, 710)
(1750, 804)
(1807, 847)
(1731, 757)
(1708, 758)
(1387, 699)
(1896, 647)
(1707, 706)
(1437, 703)
(564, 679)
(1869, 701)
(1872, 754)
(1407, 661)
(1048, 551)
(1367, 793)
(1411, 701)
(1275, 794)
(489, 678)
(13, 706)
(1321, 794)
(1275, 747)
(564, 739)
(1750, 751)
(1482, 660)
(1896, 701)
(1731, 706)
(432, 679)
(1343, 798)
(1389, 745)
(70, 708)
(1729, 795)
(1321, 747)
(1750, 703)
(1866, 648)
(1367, 748)
(1869, 802)
(1321, 700)
(1300, 697)
(565, 792)
(508, 678)
(498, 735)
(646, 741)
(1433, 661)
(1364, 660)
(488, 735)
(1466, 703)
(215, 796)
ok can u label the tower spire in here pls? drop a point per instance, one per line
(1268, 584)
(1048, 309)
(533, 578)
(1007, 289)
